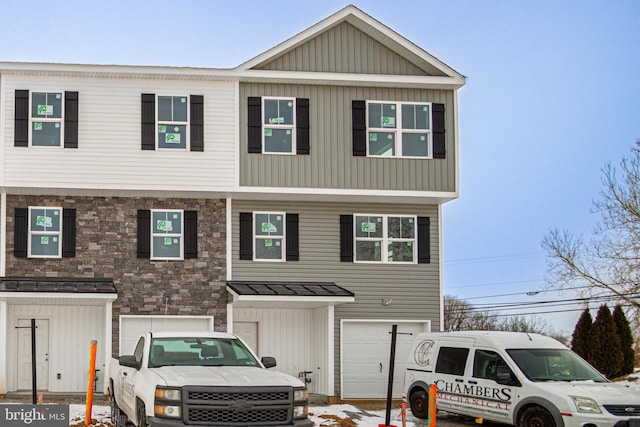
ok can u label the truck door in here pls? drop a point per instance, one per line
(127, 402)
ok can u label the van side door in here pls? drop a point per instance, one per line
(449, 376)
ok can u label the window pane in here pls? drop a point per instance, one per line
(166, 247)
(268, 248)
(180, 108)
(415, 144)
(172, 136)
(382, 115)
(368, 251)
(167, 222)
(401, 228)
(46, 105)
(278, 140)
(452, 360)
(164, 109)
(45, 245)
(400, 252)
(382, 144)
(45, 134)
(269, 225)
(415, 116)
(369, 226)
(45, 219)
(278, 112)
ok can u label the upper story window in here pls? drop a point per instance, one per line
(167, 234)
(382, 238)
(46, 119)
(278, 125)
(172, 122)
(269, 236)
(390, 129)
(45, 232)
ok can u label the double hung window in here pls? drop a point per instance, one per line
(269, 236)
(45, 232)
(173, 122)
(385, 238)
(399, 129)
(46, 119)
(279, 126)
(167, 234)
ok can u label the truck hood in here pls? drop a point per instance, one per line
(602, 393)
(224, 376)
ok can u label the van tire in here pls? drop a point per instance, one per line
(536, 416)
(419, 404)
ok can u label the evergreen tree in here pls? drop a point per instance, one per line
(580, 342)
(605, 353)
(626, 341)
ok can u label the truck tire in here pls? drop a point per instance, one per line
(536, 416)
(141, 414)
(118, 417)
(419, 404)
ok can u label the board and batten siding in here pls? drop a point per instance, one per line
(109, 154)
(331, 163)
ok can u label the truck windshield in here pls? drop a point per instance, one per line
(554, 365)
(199, 352)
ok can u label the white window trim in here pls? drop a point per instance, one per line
(398, 130)
(180, 235)
(47, 120)
(276, 126)
(47, 233)
(385, 239)
(173, 123)
(283, 251)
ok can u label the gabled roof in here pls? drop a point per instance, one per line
(369, 26)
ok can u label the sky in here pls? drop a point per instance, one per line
(552, 95)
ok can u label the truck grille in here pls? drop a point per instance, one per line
(623, 410)
(248, 406)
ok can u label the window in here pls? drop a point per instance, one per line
(46, 119)
(166, 234)
(45, 232)
(278, 125)
(382, 238)
(452, 360)
(172, 122)
(398, 129)
(269, 236)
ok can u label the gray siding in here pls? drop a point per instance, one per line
(331, 163)
(346, 49)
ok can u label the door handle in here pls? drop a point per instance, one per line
(458, 380)
(381, 368)
(473, 382)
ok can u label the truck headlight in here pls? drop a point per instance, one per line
(300, 403)
(168, 402)
(586, 404)
(173, 394)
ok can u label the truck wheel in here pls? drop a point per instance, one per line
(536, 416)
(419, 403)
(141, 414)
(118, 418)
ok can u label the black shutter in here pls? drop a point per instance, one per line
(302, 126)
(148, 121)
(424, 240)
(346, 238)
(254, 121)
(439, 150)
(68, 233)
(293, 240)
(21, 121)
(144, 233)
(197, 122)
(246, 235)
(20, 232)
(359, 127)
(70, 121)
(190, 234)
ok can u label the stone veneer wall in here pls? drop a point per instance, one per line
(106, 247)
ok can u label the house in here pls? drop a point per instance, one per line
(294, 200)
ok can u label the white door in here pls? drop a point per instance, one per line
(131, 327)
(24, 354)
(366, 353)
(248, 332)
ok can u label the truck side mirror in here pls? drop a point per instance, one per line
(268, 362)
(130, 362)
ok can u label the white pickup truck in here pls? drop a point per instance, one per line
(202, 379)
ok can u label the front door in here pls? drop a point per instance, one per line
(24, 354)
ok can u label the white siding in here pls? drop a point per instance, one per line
(109, 156)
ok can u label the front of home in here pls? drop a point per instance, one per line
(294, 200)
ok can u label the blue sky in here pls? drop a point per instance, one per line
(552, 95)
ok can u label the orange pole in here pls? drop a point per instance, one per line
(92, 377)
(433, 394)
(404, 414)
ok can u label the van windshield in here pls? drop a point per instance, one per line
(554, 365)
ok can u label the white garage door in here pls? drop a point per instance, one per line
(131, 327)
(366, 351)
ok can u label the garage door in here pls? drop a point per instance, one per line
(366, 348)
(131, 327)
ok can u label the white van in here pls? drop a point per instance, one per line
(514, 378)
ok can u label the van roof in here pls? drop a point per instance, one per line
(499, 339)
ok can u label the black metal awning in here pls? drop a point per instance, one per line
(283, 294)
(57, 285)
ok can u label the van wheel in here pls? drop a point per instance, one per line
(536, 416)
(419, 403)
(141, 414)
